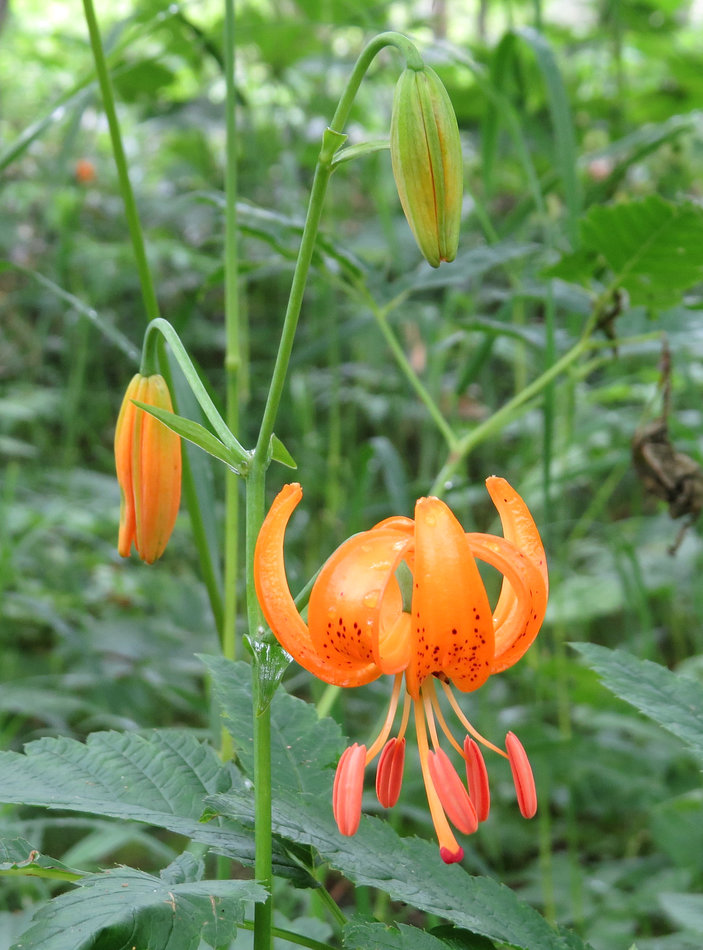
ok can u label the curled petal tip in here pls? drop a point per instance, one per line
(522, 776)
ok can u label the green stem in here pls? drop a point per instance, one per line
(381, 315)
(505, 414)
(332, 139)
(149, 362)
(263, 913)
(331, 905)
(289, 936)
(135, 229)
(232, 350)
(413, 60)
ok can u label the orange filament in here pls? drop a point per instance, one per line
(429, 686)
(380, 740)
(467, 725)
(450, 851)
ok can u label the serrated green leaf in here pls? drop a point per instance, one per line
(408, 869)
(18, 857)
(161, 779)
(304, 751)
(576, 267)
(128, 908)
(197, 434)
(184, 869)
(673, 701)
(279, 453)
(303, 746)
(362, 934)
(653, 247)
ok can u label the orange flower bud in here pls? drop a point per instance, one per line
(148, 462)
(427, 162)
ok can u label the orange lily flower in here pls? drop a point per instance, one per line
(148, 462)
(361, 624)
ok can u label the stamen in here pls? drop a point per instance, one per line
(389, 776)
(452, 794)
(477, 779)
(380, 740)
(405, 717)
(429, 715)
(466, 724)
(429, 686)
(348, 788)
(522, 776)
(449, 850)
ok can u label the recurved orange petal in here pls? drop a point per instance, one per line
(452, 626)
(278, 605)
(520, 529)
(355, 613)
(518, 628)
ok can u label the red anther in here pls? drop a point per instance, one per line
(451, 857)
(522, 776)
(389, 775)
(477, 778)
(452, 794)
(348, 787)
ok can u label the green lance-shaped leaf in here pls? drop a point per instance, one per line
(198, 435)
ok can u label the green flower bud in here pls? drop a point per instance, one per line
(427, 162)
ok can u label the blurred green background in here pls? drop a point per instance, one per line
(611, 112)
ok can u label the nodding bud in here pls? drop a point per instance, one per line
(389, 775)
(452, 795)
(427, 162)
(477, 778)
(522, 776)
(148, 462)
(348, 787)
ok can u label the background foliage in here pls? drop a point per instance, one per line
(584, 162)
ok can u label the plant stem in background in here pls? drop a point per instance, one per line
(130, 206)
(151, 305)
(504, 415)
(233, 349)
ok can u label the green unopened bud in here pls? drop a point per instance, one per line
(427, 162)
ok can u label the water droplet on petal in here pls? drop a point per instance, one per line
(371, 599)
